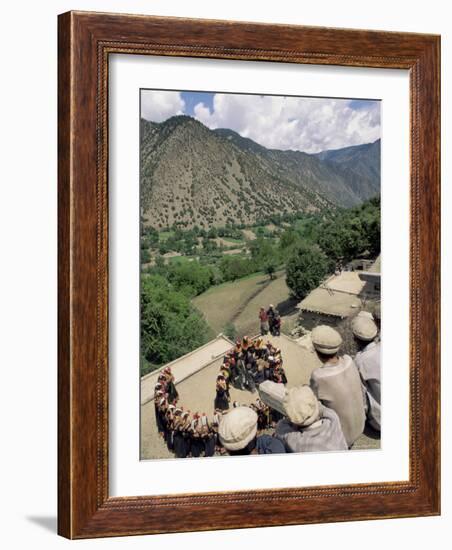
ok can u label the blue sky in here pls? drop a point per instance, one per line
(193, 98)
(278, 122)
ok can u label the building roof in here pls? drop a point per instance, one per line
(376, 266)
(186, 365)
(338, 296)
(341, 294)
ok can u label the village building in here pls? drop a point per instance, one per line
(342, 295)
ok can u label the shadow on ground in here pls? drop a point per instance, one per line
(287, 307)
(49, 523)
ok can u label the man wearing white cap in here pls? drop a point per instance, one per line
(309, 426)
(367, 360)
(337, 383)
(238, 434)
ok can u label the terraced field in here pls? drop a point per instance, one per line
(239, 302)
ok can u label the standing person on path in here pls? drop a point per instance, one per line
(337, 383)
(263, 318)
(271, 318)
(367, 360)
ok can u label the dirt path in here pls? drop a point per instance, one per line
(250, 298)
(239, 302)
(275, 292)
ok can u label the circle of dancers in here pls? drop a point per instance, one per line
(328, 414)
(245, 366)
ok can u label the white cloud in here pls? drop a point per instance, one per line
(158, 106)
(304, 124)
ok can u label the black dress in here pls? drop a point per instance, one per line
(170, 436)
(164, 423)
(221, 399)
(158, 419)
(209, 444)
(181, 446)
(172, 392)
(197, 445)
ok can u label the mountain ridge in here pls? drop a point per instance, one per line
(193, 175)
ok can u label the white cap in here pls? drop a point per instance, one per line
(366, 315)
(326, 340)
(237, 428)
(302, 406)
(364, 327)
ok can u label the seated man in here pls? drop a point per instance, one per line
(237, 433)
(367, 360)
(309, 426)
(337, 383)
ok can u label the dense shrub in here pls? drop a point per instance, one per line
(307, 266)
(170, 325)
(235, 267)
(190, 277)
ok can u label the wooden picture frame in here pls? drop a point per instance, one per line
(85, 42)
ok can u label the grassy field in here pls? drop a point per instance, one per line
(239, 302)
(165, 235)
(233, 241)
(180, 259)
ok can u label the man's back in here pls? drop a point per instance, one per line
(338, 386)
(324, 435)
(368, 363)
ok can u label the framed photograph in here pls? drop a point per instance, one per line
(248, 275)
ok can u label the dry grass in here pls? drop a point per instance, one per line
(239, 302)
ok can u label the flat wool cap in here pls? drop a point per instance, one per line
(326, 340)
(366, 314)
(237, 428)
(302, 406)
(364, 328)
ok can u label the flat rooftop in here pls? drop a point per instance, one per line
(186, 365)
(338, 296)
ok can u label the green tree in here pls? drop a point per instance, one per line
(159, 261)
(190, 277)
(289, 240)
(306, 267)
(212, 233)
(270, 270)
(230, 331)
(263, 253)
(145, 256)
(233, 267)
(170, 325)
